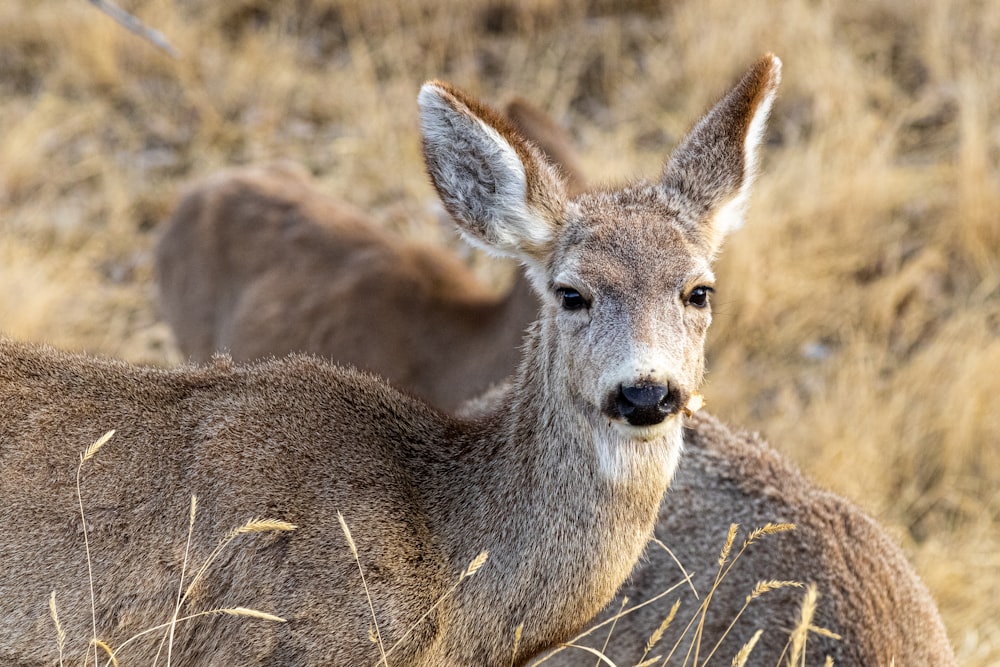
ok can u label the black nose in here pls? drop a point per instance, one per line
(647, 403)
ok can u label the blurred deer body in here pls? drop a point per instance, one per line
(584, 446)
(257, 262)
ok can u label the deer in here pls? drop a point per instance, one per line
(725, 476)
(257, 261)
(560, 485)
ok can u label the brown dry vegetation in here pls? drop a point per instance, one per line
(858, 315)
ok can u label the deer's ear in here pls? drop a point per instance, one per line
(502, 192)
(714, 166)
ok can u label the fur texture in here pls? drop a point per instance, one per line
(868, 591)
(724, 477)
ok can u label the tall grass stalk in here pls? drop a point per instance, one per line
(84, 457)
(725, 566)
(243, 612)
(474, 566)
(611, 630)
(168, 636)
(572, 643)
(371, 606)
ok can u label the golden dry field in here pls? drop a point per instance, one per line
(858, 312)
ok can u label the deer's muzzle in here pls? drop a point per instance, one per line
(645, 403)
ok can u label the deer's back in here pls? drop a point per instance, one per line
(234, 228)
(296, 440)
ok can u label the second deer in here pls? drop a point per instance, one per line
(256, 262)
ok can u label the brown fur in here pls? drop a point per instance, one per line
(538, 127)
(869, 593)
(301, 440)
(258, 262)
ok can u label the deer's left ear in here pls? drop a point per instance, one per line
(503, 193)
(714, 167)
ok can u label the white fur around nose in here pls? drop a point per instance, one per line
(644, 363)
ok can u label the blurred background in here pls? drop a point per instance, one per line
(858, 312)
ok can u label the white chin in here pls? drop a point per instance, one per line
(646, 433)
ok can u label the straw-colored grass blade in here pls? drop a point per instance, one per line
(60, 633)
(267, 526)
(662, 628)
(601, 658)
(823, 632)
(474, 566)
(251, 613)
(771, 585)
(611, 630)
(518, 631)
(727, 547)
(801, 631)
(765, 530)
(679, 565)
(371, 605)
(112, 659)
(347, 535)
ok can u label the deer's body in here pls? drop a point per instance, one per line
(297, 439)
(725, 477)
(561, 483)
(868, 591)
(257, 262)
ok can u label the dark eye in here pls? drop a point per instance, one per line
(571, 299)
(699, 296)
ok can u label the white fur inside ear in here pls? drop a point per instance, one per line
(731, 215)
(480, 176)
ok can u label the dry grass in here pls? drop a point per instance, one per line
(185, 586)
(697, 651)
(858, 318)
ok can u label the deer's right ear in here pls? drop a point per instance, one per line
(503, 193)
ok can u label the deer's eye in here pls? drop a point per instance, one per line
(699, 296)
(570, 299)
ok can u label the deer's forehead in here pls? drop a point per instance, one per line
(629, 241)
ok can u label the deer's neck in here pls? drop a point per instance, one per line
(563, 525)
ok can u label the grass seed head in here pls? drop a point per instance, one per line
(741, 657)
(251, 613)
(100, 442)
(765, 530)
(770, 585)
(476, 563)
(658, 633)
(724, 554)
(347, 535)
(60, 633)
(266, 526)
